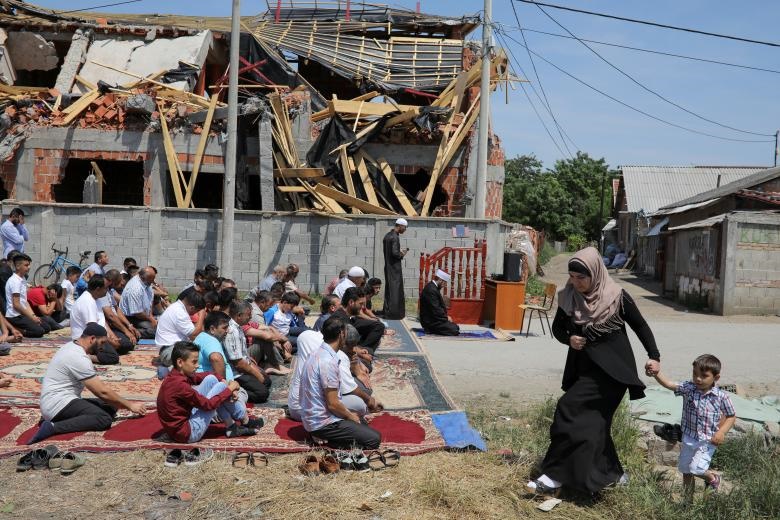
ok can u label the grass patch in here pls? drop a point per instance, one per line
(749, 465)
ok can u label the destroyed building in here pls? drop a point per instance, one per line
(346, 108)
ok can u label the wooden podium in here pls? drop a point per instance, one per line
(501, 308)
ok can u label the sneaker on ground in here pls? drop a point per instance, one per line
(238, 430)
(255, 422)
(197, 456)
(174, 458)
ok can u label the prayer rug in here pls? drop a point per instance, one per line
(411, 432)
(465, 335)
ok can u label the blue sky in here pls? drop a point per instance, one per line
(736, 97)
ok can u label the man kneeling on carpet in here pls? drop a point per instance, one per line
(322, 412)
(189, 400)
(69, 371)
(433, 311)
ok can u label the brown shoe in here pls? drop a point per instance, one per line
(329, 464)
(310, 466)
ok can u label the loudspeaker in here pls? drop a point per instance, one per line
(512, 262)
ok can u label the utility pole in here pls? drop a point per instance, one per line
(776, 150)
(484, 112)
(229, 186)
(601, 208)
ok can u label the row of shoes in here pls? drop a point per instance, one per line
(66, 462)
(349, 460)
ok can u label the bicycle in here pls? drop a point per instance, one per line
(51, 273)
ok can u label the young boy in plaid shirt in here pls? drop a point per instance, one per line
(708, 415)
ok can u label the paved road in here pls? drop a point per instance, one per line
(531, 368)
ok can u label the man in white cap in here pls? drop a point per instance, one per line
(395, 304)
(354, 278)
(433, 312)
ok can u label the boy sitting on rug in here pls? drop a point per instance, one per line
(707, 417)
(288, 318)
(69, 286)
(189, 400)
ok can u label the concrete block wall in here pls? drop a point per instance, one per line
(757, 264)
(179, 241)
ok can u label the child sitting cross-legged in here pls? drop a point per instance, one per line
(189, 400)
(708, 415)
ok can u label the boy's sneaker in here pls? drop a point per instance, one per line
(197, 456)
(174, 458)
(239, 430)
(713, 486)
(255, 423)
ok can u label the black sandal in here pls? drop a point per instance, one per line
(242, 459)
(391, 457)
(260, 456)
(376, 461)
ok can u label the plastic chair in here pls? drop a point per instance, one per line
(544, 309)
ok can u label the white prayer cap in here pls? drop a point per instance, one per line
(401, 222)
(356, 271)
(442, 275)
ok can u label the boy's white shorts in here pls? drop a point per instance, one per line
(695, 455)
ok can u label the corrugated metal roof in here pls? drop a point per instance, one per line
(649, 188)
(760, 177)
(770, 217)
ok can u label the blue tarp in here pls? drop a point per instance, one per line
(457, 432)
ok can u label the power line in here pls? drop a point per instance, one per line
(539, 81)
(642, 85)
(650, 51)
(97, 7)
(539, 117)
(635, 109)
(538, 96)
(654, 24)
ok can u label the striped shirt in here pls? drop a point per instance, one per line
(136, 297)
(320, 373)
(702, 412)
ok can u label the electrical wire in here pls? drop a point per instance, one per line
(516, 65)
(639, 83)
(539, 81)
(650, 51)
(97, 7)
(653, 24)
(635, 109)
(540, 118)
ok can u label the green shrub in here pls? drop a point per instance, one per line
(576, 242)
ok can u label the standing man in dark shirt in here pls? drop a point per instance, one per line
(395, 304)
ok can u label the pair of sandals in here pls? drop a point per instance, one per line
(375, 460)
(246, 459)
(51, 457)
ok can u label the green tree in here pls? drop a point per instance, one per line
(563, 201)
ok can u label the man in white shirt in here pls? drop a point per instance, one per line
(354, 278)
(355, 396)
(176, 324)
(14, 232)
(99, 265)
(69, 371)
(85, 311)
(18, 311)
(126, 335)
(136, 302)
(308, 342)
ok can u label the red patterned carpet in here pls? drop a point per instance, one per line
(407, 426)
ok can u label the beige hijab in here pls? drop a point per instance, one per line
(597, 309)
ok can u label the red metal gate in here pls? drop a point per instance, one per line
(467, 268)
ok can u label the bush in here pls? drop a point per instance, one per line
(576, 242)
(546, 253)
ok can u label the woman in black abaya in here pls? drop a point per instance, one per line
(600, 367)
